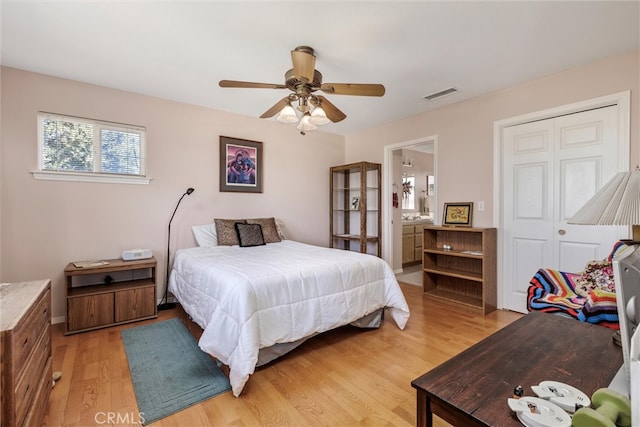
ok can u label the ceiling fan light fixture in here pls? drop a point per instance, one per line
(305, 124)
(303, 80)
(287, 115)
(318, 117)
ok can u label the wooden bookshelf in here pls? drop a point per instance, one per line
(466, 273)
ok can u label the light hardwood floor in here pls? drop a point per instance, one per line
(345, 377)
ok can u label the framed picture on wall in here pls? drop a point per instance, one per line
(458, 214)
(240, 165)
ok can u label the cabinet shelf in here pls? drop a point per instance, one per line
(455, 297)
(354, 237)
(354, 189)
(477, 277)
(453, 253)
(465, 274)
(355, 201)
(354, 211)
(79, 291)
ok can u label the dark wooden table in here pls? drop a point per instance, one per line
(472, 388)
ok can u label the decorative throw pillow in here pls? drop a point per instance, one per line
(249, 234)
(226, 232)
(269, 230)
(598, 275)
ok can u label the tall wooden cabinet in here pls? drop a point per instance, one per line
(459, 265)
(355, 207)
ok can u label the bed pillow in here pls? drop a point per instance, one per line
(269, 229)
(280, 228)
(226, 231)
(205, 235)
(249, 234)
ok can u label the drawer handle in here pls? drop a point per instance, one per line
(24, 343)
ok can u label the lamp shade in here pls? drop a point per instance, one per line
(305, 124)
(318, 116)
(617, 203)
(287, 115)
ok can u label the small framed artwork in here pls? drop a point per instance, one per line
(240, 165)
(355, 203)
(458, 214)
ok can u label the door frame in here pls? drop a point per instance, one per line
(387, 190)
(621, 99)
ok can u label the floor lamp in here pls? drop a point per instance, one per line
(167, 305)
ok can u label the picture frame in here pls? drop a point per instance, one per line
(458, 214)
(355, 203)
(240, 165)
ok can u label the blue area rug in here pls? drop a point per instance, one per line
(168, 369)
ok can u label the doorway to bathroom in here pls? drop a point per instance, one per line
(409, 176)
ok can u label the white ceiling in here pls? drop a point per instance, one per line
(179, 50)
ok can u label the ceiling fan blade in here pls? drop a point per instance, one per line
(304, 62)
(361, 89)
(235, 83)
(333, 113)
(278, 106)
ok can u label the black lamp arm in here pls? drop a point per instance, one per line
(166, 305)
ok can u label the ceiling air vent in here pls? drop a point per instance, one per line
(440, 94)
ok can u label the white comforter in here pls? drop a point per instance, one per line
(250, 298)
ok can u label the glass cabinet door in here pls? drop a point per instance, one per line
(355, 207)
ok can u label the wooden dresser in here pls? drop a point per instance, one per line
(25, 352)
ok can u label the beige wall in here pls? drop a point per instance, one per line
(47, 224)
(465, 130)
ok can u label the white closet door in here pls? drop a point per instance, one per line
(550, 169)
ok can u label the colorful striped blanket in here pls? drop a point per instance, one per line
(554, 291)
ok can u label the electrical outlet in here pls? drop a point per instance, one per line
(481, 206)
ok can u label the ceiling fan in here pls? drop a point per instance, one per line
(303, 80)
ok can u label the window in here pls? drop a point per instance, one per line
(72, 148)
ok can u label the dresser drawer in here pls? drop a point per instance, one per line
(27, 332)
(41, 400)
(27, 383)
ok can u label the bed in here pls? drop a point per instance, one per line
(258, 302)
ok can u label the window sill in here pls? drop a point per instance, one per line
(89, 177)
